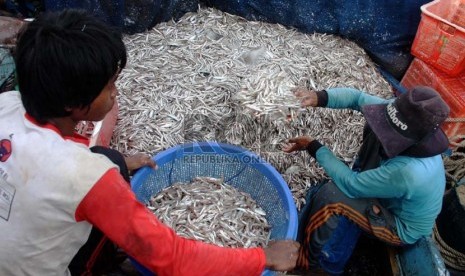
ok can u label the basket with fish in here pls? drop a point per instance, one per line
(196, 176)
(213, 76)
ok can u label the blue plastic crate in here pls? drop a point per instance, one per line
(238, 167)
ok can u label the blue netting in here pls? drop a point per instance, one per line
(129, 15)
(384, 28)
(238, 167)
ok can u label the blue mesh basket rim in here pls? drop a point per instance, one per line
(261, 165)
(209, 147)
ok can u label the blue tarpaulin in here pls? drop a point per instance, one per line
(131, 16)
(384, 28)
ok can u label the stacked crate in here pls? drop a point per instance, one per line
(439, 50)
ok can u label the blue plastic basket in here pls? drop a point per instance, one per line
(238, 167)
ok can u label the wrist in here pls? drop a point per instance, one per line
(313, 147)
(268, 259)
(322, 98)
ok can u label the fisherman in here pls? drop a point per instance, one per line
(394, 190)
(64, 206)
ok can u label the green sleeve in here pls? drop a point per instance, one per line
(339, 98)
(378, 183)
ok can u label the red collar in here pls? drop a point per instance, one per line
(76, 137)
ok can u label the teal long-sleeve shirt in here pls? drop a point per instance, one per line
(410, 188)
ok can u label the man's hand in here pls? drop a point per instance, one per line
(297, 144)
(307, 97)
(282, 255)
(139, 160)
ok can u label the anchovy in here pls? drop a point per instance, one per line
(209, 210)
(215, 76)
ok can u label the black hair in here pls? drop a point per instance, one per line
(64, 60)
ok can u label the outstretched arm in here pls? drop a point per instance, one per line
(337, 98)
(379, 182)
(112, 207)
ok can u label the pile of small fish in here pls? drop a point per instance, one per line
(213, 76)
(209, 210)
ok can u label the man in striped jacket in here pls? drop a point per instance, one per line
(394, 190)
